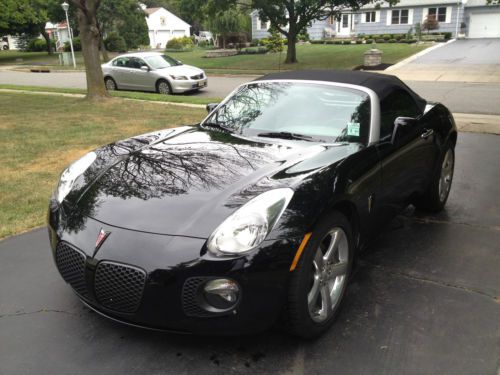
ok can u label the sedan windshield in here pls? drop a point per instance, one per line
(297, 111)
(161, 61)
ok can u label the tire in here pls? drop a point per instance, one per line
(5, 48)
(307, 316)
(110, 84)
(163, 87)
(434, 199)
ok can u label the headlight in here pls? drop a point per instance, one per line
(70, 174)
(248, 226)
(179, 78)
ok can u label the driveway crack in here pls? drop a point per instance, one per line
(21, 313)
(440, 283)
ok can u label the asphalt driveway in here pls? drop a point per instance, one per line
(424, 300)
(468, 60)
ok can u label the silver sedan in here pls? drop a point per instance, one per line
(152, 71)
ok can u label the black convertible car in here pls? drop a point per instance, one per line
(255, 215)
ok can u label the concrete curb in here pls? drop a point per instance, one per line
(416, 56)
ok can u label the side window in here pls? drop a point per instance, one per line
(121, 62)
(135, 63)
(397, 104)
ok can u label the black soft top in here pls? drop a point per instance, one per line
(382, 84)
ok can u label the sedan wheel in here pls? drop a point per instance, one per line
(164, 88)
(329, 275)
(319, 280)
(110, 84)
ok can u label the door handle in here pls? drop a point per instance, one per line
(427, 133)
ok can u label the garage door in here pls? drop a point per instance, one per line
(485, 25)
(179, 33)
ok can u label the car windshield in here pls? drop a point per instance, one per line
(296, 110)
(161, 61)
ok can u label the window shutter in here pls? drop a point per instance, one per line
(425, 12)
(448, 14)
(257, 23)
(389, 16)
(377, 16)
(363, 17)
(268, 25)
(410, 17)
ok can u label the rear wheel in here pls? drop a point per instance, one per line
(319, 281)
(163, 87)
(110, 84)
(434, 199)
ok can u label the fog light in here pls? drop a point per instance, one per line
(221, 294)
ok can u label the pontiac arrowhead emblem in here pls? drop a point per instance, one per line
(100, 239)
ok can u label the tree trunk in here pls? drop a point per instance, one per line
(48, 41)
(90, 37)
(291, 52)
(104, 51)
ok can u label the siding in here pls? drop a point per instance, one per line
(316, 29)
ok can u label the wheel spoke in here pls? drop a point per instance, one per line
(318, 260)
(332, 246)
(312, 297)
(337, 269)
(326, 300)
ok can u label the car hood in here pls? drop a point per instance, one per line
(187, 181)
(181, 70)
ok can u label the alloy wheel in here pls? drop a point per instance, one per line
(164, 88)
(330, 266)
(446, 175)
(110, 85)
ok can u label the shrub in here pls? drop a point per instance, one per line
(115, 43)
(359, 41)
(275, 43)
(338, 42)
(447, 35)
(386, 37)
(392, 41)
(180, 43)
(77, 45)
(369, 41)
(254, 51)
(38, 45)
(318, 42)
(379, 40)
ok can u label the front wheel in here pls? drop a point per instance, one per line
(319, 281)
(434, 199)
(163, 87)
(110, 84)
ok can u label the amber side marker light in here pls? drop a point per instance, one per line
(300, 250)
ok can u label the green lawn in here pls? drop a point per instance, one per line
(40, 135)
(310, 56)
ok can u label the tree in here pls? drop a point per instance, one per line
(90, 39)
(226, 22)
(430, 23)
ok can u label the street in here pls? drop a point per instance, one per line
(424, 299)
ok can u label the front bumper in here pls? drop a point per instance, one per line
(164, 266)
(188, 85)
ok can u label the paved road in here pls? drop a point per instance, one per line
(470, 60)
(460, 97)
(424, 300)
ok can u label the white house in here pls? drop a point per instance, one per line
(163, 26)
(58, 32)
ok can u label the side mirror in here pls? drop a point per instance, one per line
(401, 123)
(211, 107)
(145, 68)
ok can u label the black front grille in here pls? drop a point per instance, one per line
(71, 264)
(119, 287)
(198, 76)
(190, 299)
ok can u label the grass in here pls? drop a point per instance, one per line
(310, 56)
(190, 99)
(40, 135)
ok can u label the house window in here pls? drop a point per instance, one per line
(399, 17)
(345, 21)
(370, 17)
(163, 21)
(438, 14)
(331, 20)
(263, 25)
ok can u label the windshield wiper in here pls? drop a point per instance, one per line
(287, 135)
(216, 126)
